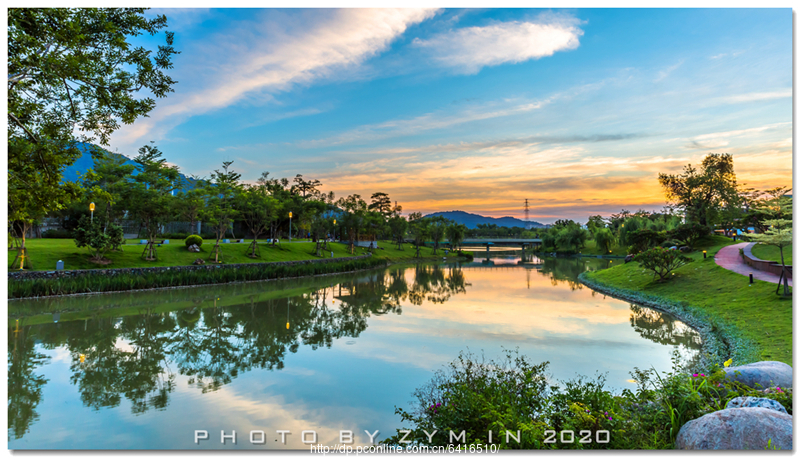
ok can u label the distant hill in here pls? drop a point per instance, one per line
(472, 220)
(85, 162)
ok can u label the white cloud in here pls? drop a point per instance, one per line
(750, 97)
(723, 139)
(471, 48)
(259, 60)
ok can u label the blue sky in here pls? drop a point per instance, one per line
(576, 110)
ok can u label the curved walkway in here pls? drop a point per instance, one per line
(729, 258)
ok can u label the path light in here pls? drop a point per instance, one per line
(751, 277)
(290, 230)
(91, 208)
(334, 232)
(704, 254)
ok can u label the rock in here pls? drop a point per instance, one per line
(194, 248)
(761, 375)
(198, 262)
(737, 429)
(684, 249)
(756, 402)
(628, 258)
(673, 248)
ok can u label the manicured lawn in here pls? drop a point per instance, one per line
(755, 310)
(44, 253)
(772, 253)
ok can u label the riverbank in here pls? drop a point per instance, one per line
(754, 322)
(28, 284)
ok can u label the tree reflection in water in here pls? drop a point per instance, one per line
(136, 357)
(217, 333)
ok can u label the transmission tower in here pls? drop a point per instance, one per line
(527, 215)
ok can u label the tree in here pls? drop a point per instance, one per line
(571, 237)
(314, 210)
(398, 226)
(419, 228)
(220, 209)
(779, 233)
(258, 210)
(151, 199)
(604, 239)
(436, 230)
(188, 204)
(381, 203)
(73, 68)
(661, 261)
(91, 233)
(702, 194)
(455, 234)
(306, 188)
(355, 211)
(106, 185)
(595, 222)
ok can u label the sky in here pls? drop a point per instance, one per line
(576, 110)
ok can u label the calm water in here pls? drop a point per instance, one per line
(145, 370)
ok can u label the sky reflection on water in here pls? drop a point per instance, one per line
(159, 365)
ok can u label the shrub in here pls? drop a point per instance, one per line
(661, 261)
(90, 234)
(515, 395)
(193, 240)
(466, 254)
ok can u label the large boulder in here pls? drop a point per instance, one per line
(761, 375)
(756, 402)
(737, 429)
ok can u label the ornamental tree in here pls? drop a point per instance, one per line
(151, 195)
(661, 261)
(220, 209)
(99, 238)
(779, 231)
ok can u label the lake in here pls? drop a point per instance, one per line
(146, 370)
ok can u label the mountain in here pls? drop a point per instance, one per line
(85, 162)
(472, 220)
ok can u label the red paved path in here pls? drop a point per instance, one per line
(729, 258)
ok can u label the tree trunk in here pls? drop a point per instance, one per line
(785, 274)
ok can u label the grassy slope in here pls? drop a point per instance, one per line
(771, 253)
(761, 316)
(44, 253)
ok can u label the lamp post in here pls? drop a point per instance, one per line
(290, 227)
(334, 230)
(91, 208)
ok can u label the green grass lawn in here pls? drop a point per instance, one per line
(755, 310)
(772, 253)
(44, 253)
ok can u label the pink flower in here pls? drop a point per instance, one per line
(694, 375)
